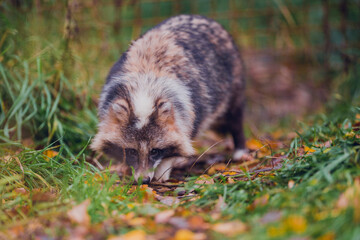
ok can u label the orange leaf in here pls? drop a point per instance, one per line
(132, 235)
(216, 168)
(184, 234)
(296, 223)
(50, 153)
(254, 144)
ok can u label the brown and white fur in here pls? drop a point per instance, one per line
(178, 79)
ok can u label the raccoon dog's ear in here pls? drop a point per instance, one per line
(165, 109)
(121, 109)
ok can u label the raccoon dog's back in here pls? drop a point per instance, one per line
(195, 53)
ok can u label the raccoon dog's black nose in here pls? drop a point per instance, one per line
(146, 180)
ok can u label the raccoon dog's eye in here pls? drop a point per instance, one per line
(154, 153)
(132, 151)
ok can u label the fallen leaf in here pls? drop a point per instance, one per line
(327, 236)
(259, 202)
(170, 201)
(138, 221)
(220, 205)
(132, 235)
(39, 196)
(278, 231)
(164, 216)
(254, 144)
(230, 228)
(184, 234)
(308, 150)
(204, 179)
(351, 198)
(197, 223)
(291, 184)
(272, 216)
(79, 214)
(50, 154)
(230, 173)
(217, 168)
(296, 223)
(21, 191)
(179, 222)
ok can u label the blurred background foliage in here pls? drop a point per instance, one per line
(54, 57)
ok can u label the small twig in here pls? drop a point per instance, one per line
(158, 184)
(208, 168)
(95, 160)
(204, 153)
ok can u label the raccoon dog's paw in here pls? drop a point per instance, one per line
(240, 154)
(162, 172)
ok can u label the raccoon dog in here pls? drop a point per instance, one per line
(178, 79)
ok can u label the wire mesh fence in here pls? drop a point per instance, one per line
(326, 29)
(293, 49)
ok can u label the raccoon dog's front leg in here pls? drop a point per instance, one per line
(162, 172)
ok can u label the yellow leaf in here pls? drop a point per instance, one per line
(230, 173)
(276, 231)
(184, 234)
(350, 134)
(327, 236)
(296, 223)
(132, 235)
(216, 168)
(50, 154)
(308, 150)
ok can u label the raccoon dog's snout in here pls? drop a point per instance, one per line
(178, 79)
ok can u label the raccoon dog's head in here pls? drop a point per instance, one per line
(142, 127)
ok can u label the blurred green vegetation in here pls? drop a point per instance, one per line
(55, 54)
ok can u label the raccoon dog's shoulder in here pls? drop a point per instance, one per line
(179, 77)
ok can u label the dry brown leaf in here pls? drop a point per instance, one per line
(39, 196)
(230, 228)
(138, 221)
(217, 168)
(21, 191)
(164, 216)
(179, 222)
(272, 216)
(168, 200)
(259, 202)
(197, 223)
(204, 179)
(79, 214)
